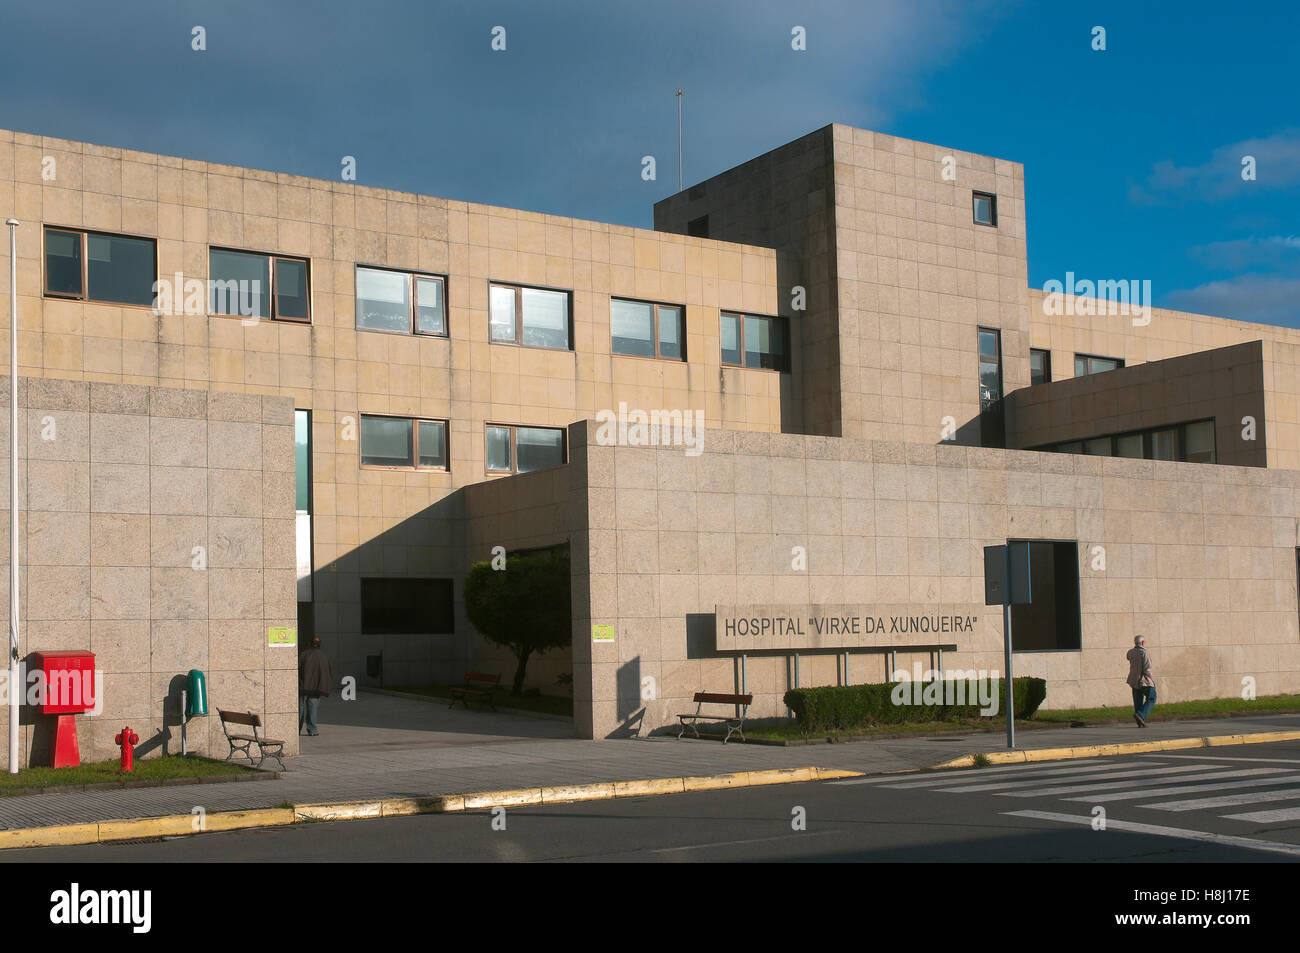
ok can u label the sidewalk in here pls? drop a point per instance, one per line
(381, 746)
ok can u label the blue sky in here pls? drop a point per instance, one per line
(1132, 154)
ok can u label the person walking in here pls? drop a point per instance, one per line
(315, 679)
(1141, 680)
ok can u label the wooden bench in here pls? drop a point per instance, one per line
(735, 723)
(243, 743)
(478, 685)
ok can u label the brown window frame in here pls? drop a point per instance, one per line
(83, 234)
(413, 293)
(518, 289)
(655, 306)
(740, 340)
(514, 446)
(272, 257)
(1047, 365)
(1118, 361)
(993, 207)
(415, 444)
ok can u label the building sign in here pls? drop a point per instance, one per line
(804, 628)
(282, 635)
(602, 632)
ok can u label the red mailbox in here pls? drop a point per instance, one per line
(68, 682)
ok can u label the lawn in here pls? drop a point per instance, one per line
(542, 704)
(1202, 708)
(110, 772)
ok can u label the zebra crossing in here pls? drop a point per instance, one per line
(1239, 791)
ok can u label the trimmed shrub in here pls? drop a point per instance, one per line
(846, 707)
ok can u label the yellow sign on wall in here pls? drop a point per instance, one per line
(282, 635)
(602, 632)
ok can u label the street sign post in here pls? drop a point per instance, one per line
(1007, 582)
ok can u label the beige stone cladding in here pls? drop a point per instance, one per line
(1225, 384)
(1077, 326)
(1201, 559)
(157, 532)
(369, 522)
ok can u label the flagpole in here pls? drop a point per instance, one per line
(13, 495)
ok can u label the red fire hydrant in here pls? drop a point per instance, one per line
(128, 739)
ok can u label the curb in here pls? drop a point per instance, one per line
(1135, 747)
(175, 825)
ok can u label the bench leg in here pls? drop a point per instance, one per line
(693, 725)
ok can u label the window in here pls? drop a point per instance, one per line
(985, 207)
(644, 329)
(400, 301)
(403, 443)
(96, 266)
(698, 227)
(407, 607)
(511, 449)
(1040, 366)
(534, 317)
(1189, 443)
(992, 429)
(1085, 364)
(254, 285)
(1051, 621)
(756, 340)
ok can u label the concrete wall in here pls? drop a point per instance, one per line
(1201, 559)
(158, 532)
(1226, 384)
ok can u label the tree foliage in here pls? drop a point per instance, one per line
(526, 607)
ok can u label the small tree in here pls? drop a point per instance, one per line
(527, 607)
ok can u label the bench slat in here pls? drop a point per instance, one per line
(717, 698)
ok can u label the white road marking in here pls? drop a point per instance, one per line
(981, 772)
(1211, 757)
(1227, 800)
(1268, 817)
(1187, 789)
(1080, 782)
(1101, 786)
(1112, 824)
(1099, 770)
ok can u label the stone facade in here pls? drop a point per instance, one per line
(157, 532)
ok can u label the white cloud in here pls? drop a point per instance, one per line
(1277, 166)
(1268, 299)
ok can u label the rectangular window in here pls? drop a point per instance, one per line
(758, 340)
(513, 449)
(698, 227)
(407, 607)
(1040, 366)
(1097, 447)
(992, 429)
(645, 329)
(1164, 444)
(251, 284)
(1129, 445)
(534, 317)
(1051, 622)
(1198, 442)
(399, 442)
(985, 208)
(1085, 364)
(400, 301)
(1188, 443)
(96, 266)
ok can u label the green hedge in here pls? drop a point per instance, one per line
(846, 707)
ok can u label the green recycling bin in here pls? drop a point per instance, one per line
(197, 693)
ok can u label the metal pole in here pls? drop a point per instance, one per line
(1006, 642)
(13, 495)
(184, 709)
(679, 139)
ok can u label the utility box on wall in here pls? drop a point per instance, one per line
(67, 689)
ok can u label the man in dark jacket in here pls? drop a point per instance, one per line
(1142, 680)
(315, 679)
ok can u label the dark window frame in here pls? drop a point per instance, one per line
(1047, 365)
(992, 410)
(655, 306)
(1119, 363)
(370, 625)
(274, 296)
(1179, 427)
(83, 235)
(1077, 592)
(782, 321)
(413, 294)
(519, 315)
(514, 446)
(415, 444)
(993, 208)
